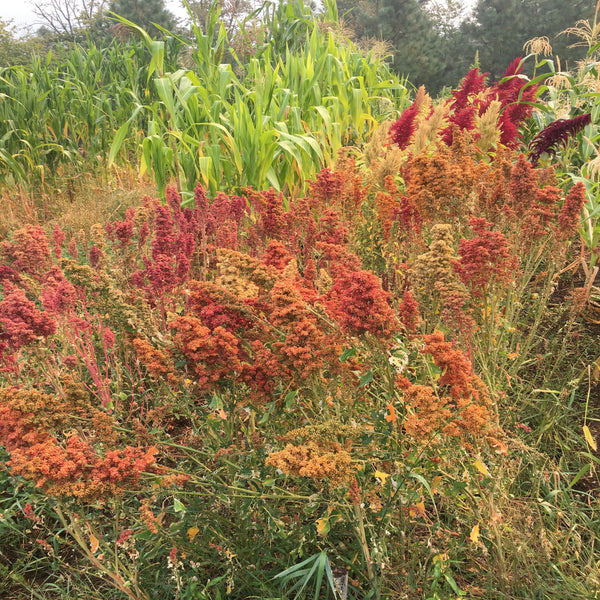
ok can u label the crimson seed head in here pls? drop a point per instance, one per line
(555, 134)
(404, 128)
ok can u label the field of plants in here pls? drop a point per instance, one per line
(274, 324)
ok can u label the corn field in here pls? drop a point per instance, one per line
(270, 120)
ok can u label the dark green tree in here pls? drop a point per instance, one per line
(16, 49)
(407, 27)
(144, 13)
(435, 42)
(500, 28)
(447, 15)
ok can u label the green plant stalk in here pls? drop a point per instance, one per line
(362, 538)
(113, 577)
(491, 345)
(498, 542)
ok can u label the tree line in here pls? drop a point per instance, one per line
(434, 42)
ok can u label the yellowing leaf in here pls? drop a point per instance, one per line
(474, 535)
(391, 417)
(435, 484)
(192, 532)
(323, 526)
(418, 510)
(481, 467)
(589, 438)
(94, 543)
(440, 558)
(382, 476)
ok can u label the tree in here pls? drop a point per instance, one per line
(15, 49)
(446, 15)
(68, 18)
(407, 27)
(500, 28)
(144, 13)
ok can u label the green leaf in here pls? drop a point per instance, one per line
(270, 407)
(314, 567)
(216, 402)
(591, 457)
(118, 142)
(366, 379)
(580, 474)
(453, 584)
(290, 398)
(347, 353)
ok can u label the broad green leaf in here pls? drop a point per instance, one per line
(366, 379)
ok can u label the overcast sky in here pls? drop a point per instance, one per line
(21, 11)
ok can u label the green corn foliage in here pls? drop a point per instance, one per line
(58, 116)
(297, 102)
(278, 125)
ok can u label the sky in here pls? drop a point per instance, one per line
(21, 12)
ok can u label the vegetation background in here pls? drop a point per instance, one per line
(319, 280)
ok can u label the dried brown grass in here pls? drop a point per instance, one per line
(75, 204)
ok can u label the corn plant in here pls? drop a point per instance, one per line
(567, 127)
(270, 121)
(66, 115)
(279, 124)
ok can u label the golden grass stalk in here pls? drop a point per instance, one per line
(487, 124)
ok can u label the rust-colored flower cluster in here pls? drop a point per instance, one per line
(444, 185)
(458, 405)
(360, 305)
(156, 361)
(21, 322)
(485, 260)
(569, 216)
(27, 251)
(211, 354)
(42, 434)
(317, 453)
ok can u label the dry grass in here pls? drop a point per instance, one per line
(76, 204)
